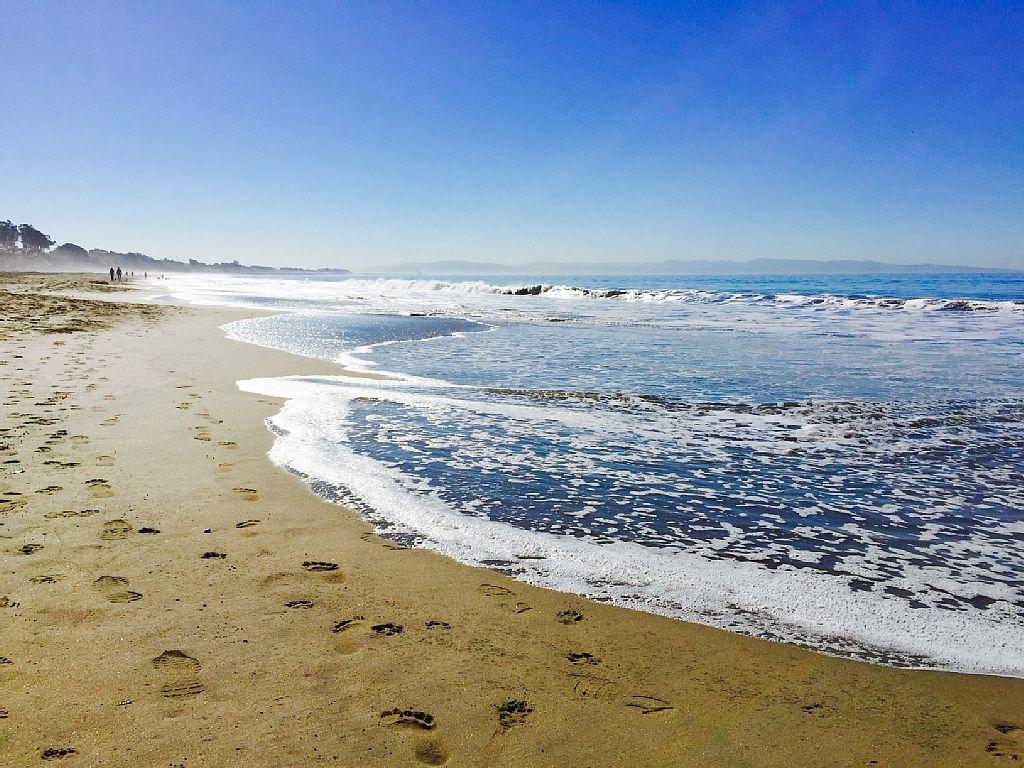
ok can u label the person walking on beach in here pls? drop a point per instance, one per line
(111, 274)
(119, 274)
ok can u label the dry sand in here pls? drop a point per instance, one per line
(170, 598)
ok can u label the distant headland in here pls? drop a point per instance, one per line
(756, 267)
(23, 248)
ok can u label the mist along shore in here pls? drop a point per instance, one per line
(169, 597)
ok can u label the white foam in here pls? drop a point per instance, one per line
(442, 294)
(786, 604)
(796, 604)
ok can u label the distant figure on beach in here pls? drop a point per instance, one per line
(111, 274)
(119, 274)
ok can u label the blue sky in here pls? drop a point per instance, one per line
(349, 134)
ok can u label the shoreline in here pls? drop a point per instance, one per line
(576, 567)
(792, 605)
(269, 656)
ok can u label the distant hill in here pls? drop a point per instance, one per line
(675, 267)
(23, 248)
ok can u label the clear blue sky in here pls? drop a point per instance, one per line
(350, 134)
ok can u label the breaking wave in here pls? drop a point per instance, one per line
(840, 470)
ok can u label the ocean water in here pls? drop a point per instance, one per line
(833, 461)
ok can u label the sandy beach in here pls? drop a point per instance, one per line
(169, 597)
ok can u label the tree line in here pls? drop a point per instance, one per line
(24, 238)
(22, 247)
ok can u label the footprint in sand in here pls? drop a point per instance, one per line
(58, 437)
(104, 461)
(427, 751)
(569, 616)
(99, 488)
(213, 556)
(9, 505)
(49, 578)
(248, 494)
(72, 513)
(319, 566)
(60, 465)
(49, 490)
(512, 713)
(247, 524)
(201, 433)
(55, 753)
(1009, 744)
(110, 422)
(180, 673)
(114, 589)
(593, 686)
(299, 604)
(648, 705)
(231, 444)
(341, 626)
(375, 539)
(29, 549)
(408, 718)
(582, 658)
(431, 752)
(494, 590)
(78, 441)
(115, 530)
(387, 629)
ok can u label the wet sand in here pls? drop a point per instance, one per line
(170, 598)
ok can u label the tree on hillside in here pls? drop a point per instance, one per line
(73, 251)
(33, 240)
(8, 235)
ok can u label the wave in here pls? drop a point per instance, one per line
(422, 296)
(726, 590)
(876, 524)
(845, 301)
(394, 286)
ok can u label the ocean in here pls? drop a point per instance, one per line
(832, 461)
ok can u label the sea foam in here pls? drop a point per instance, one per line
(831, 468)
(781, 604)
